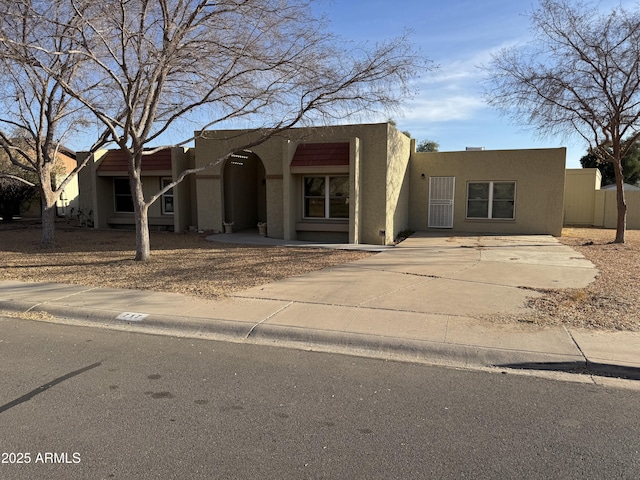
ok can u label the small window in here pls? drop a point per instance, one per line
(491, 200)
(122, 195)
(167, 198)
(314, 197)
(326, 197)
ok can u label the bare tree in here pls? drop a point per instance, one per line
(35, 61)
(270, 62)
(580, 73)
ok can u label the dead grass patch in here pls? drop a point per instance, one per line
(180, 263)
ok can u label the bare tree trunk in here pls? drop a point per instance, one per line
(621, 225)
(141, 214)
(48, 207)
(143, 247)
(48, 222)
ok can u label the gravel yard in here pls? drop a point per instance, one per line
(188, 264)
(613, 300)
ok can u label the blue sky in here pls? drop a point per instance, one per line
(459, 36)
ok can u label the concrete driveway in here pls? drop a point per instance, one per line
(464, 276)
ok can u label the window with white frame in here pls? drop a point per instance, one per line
(167, 197)
(123, 201)
(326, 197)
(491, 200)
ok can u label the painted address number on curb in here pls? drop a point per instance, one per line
(132, 316)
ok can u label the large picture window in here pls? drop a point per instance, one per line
(326, 197)
(122, 195)
(491, 200)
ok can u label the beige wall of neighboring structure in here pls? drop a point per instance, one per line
(87, 185)
(589, 205)
(539, 188)
(580, 193)
(67, 204)
(606, 209)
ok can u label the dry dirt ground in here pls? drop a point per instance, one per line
(612, 301)
(188, 264)
(181, 263)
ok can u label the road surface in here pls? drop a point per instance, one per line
(79, 402)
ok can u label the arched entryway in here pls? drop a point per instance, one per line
(245, 191)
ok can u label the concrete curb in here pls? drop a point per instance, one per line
(187, 325)
(374, 346)
(406, 348)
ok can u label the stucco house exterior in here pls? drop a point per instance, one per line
(68, 202)
(342, 184)
(588, 203)
(105, 196)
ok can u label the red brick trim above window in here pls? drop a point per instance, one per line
(116, 161)
(321, 155)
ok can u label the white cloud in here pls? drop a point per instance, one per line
(443, 108)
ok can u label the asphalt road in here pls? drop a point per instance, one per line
(90, 403)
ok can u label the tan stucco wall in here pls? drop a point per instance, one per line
(92, 198)
(103, 207)
(85, 184)
(373, 183)
(67, 204)
(182, 159)
(379, 202)
(539, 175)
(397, 196)
(579, 196)
(209, 203)
(69, 197)
(355, 192)
(210, 146)
(97, 196)
(106, 203)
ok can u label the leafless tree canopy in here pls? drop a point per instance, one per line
(36, 60)
(269, 60)
(147, 65)
(579, 74)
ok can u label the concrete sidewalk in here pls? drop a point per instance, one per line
(418, 301)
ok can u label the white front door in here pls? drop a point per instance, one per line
(441, 194)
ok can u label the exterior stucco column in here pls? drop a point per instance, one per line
(355, 189)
